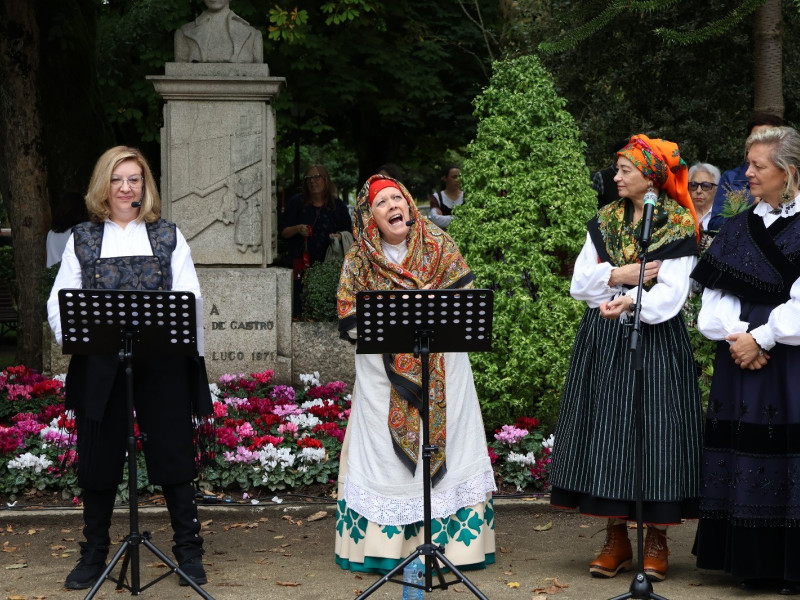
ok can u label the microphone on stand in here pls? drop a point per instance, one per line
(410, 222)
(650, 199)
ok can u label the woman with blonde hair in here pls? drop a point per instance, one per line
(750, 495)
(127, 246)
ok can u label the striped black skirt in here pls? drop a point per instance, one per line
(593, 466)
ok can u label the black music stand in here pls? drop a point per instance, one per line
(109, 322)
(421, 322)
(641, 588)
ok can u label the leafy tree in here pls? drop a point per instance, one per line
(393, 84)
(767, 38)
(520, 232)
(627, 78)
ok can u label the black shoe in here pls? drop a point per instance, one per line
(789, 588)
(193, 567)
(84, 575)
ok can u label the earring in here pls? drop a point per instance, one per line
(785, 196)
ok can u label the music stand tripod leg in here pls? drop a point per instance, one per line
(130, 546)
(431, 552)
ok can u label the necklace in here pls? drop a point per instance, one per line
(784, 208)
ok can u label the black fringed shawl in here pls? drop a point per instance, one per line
(754, 262)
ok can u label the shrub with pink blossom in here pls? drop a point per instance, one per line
(261, 436)
(521, 455)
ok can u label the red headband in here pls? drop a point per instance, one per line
(378, 185)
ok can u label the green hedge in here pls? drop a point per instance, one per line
(320, 282)
(528, 198)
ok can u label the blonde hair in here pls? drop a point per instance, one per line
(784, 152)
(100, 185)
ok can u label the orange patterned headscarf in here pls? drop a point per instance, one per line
(660, 161)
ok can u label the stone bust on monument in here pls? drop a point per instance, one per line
(219, 35)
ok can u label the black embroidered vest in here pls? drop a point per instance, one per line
(126, 272)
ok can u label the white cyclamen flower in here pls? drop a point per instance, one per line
(304, 421)
(526, 460)
(30, 461)
(272, 458)
(312, 455)
(310, 379)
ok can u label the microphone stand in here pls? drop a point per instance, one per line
(641, 587)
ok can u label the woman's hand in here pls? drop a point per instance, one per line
(335, 236)
(302, 229)
(746, 352)
(629, 274)
(613, 309)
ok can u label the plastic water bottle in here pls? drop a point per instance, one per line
(414, 572)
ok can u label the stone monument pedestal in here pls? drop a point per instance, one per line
(247, 320)
(218, 186)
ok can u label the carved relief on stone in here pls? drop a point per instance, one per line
(217, 181)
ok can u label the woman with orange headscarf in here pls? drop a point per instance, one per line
(593, 467)
(380, 507)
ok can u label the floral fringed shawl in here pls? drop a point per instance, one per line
(616, 236)
(433, 261)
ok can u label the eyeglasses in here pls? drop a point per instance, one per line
(706, 186)
(312, 177)
(135, 181)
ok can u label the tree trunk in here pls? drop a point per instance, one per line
(768, 58)
(23, 182)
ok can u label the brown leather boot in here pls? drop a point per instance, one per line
(656, 554)
(616, 554)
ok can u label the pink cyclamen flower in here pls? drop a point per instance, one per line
(288, 428)
(508, 434)
(245, 430)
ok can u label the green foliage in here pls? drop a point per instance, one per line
(47, 280)
(135, 39)
(713, 29)
(615, 8)
(388, 93)
(320, 282)
(346, 10)
(287, 25)
(703, 348)
(627, 80)
(525, 222)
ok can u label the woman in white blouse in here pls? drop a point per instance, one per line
(593, 456)
(750, 505)
(380, 509)
(127, 246)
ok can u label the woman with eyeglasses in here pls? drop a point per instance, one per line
(311, 220)
(127, 246)
(703, 181)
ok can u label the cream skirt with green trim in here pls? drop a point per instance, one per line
(467, 538)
